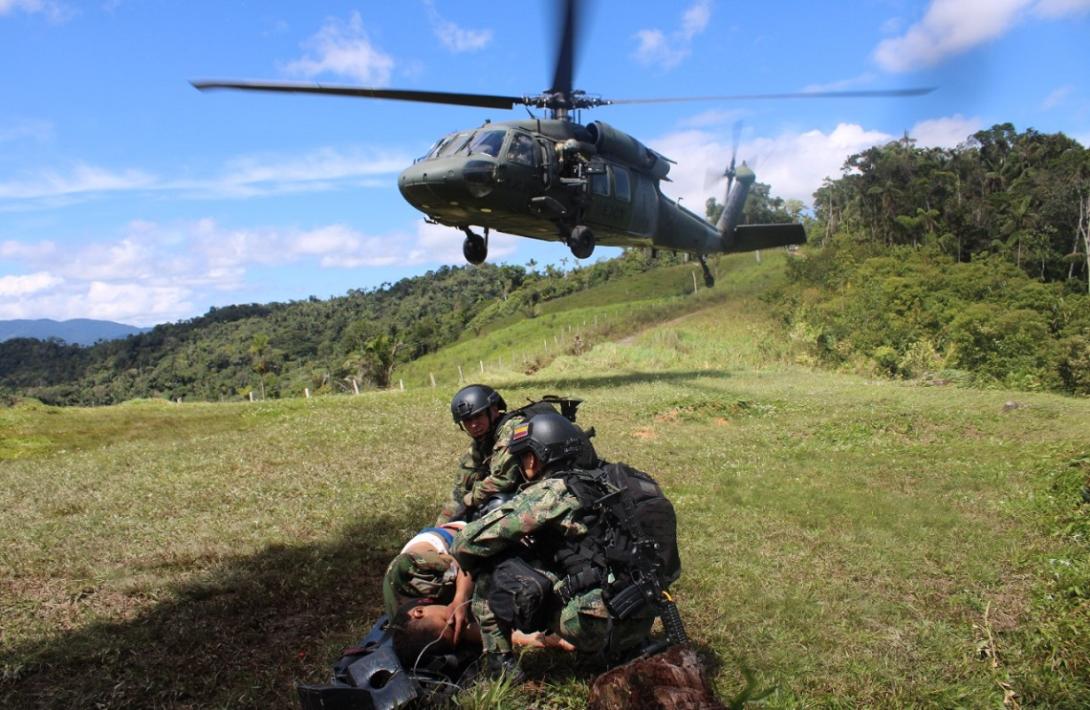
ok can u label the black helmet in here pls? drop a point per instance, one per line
(553, 439)
(474, 399)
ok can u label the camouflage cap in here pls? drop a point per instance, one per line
(413, 575)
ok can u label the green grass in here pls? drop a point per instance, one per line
(852, 542)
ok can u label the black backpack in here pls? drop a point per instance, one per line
(629, 519)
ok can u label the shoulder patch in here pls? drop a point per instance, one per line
(521, 432)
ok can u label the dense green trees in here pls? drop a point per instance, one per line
(1016, 195)
(969, 261)
(278, 349)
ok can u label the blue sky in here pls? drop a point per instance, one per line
(125, 194)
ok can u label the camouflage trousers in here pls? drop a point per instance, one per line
(584, 621)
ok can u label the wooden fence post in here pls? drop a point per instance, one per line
(482, 366)
(432, 376)
(355, 386)
(461, 377)
(306, 391)
(251, 395)
(402, 383)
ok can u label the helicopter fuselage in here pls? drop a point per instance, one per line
(543, 178)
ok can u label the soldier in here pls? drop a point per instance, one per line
(548, 559)
(486, 469)
(424, 569)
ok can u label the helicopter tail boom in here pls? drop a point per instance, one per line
(751, 237)
(734, 236)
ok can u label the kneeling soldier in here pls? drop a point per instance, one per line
(586, 549)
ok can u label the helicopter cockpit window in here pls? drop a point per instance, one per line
(521, 150)
(488, 142)
(433, 150)
(621, 188)
(450, 146)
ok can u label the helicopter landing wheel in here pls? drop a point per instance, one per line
(581, 242)
(474, 248)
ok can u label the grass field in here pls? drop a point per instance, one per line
(850, 542)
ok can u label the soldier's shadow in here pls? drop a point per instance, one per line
(238, 635)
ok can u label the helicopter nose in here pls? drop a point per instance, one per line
(432, 186)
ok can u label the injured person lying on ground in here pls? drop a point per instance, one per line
(579, 559)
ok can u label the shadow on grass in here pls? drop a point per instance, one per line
(240, 637)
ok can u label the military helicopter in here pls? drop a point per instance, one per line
(557, 180)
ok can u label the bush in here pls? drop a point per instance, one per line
(912, 312)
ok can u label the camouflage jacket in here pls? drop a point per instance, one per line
(546, 506)
(485, 470)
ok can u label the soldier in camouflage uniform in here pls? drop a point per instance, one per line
(511, 554)
(486, 469)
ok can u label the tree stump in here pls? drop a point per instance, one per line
(672, 680)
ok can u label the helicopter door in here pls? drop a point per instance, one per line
(522, 171)
(605, 207)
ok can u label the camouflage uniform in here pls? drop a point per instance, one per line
(548, 510)
(485, 470)
(415, 575)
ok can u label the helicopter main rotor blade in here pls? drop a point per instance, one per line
(431, 97)
(794, 95)
(565, 51)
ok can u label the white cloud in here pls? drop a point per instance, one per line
(950, 27)
(33, 130)
(655, 48)
(713, 117)
(948, 132)
(343, 48)
(151, 273)
(12, 249)
(53, 10)
(1057, 97)
(81, 180)
(11, 286)
(455, 38)
(320, 170)
(1059, 8)
(695, 19)
(793, 163)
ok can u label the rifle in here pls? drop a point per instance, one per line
(642, 562)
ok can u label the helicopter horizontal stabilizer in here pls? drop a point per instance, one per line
(751, 237)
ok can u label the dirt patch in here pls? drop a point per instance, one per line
(646, 434)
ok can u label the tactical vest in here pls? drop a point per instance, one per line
(629, 521)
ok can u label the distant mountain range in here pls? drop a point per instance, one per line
(78, 331)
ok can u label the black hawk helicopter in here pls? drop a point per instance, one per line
(557, 180)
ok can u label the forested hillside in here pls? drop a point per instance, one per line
(281, 348)
(966, 263)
